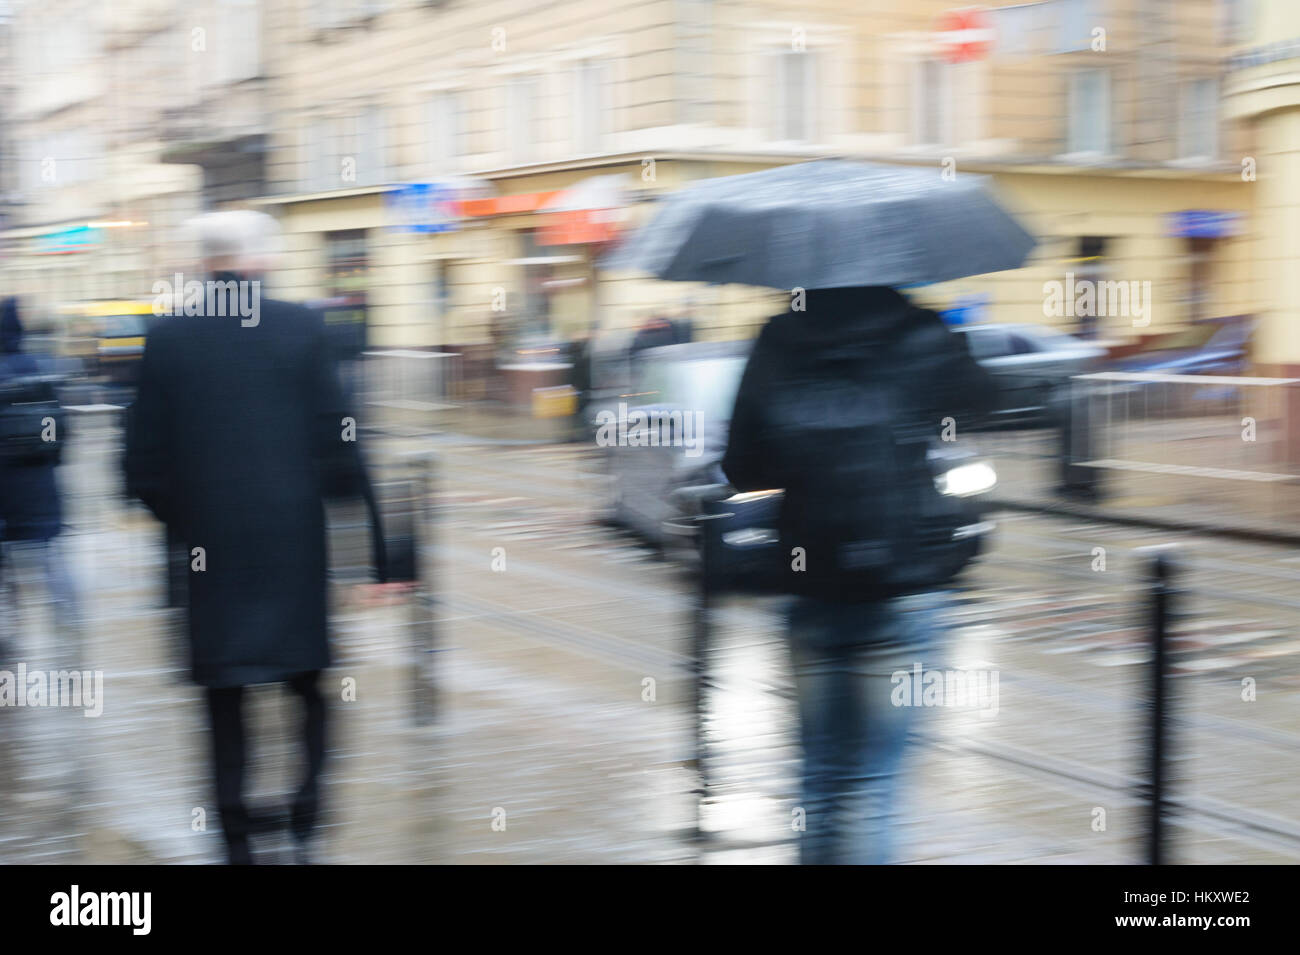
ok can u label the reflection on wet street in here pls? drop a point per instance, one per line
(563, 729)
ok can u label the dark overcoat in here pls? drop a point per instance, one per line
(236, 436)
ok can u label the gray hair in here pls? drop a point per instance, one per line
(239, 240)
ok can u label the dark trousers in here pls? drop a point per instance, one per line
(226, 715)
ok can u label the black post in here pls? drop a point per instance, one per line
(1161, 594)
(1073, 413)
(701, 638)
(424, 600)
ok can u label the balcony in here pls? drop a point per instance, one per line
(224, 131)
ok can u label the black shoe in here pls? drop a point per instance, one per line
(238, 851)
(303, 851)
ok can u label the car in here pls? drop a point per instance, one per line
(671, 491)
(679, 404)
(122, 328)
(1212, 348)
(1207, 348)
(1030, 364)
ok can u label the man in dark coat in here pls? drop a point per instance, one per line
(845, 649)
(237, 434)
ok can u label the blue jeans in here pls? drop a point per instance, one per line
(24, 563)
(854, 738)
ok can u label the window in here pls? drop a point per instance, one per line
(1237, 20)
(694, 45)
(521, 118)
(1198, 131)
(319, 170)
(1077, 20)
(1198, 293)
(238, 43)
(794, 77)
(590, 106)
(443, 130)
(371, 150)
(987, 343)
(1089, 116)
(346, 281)
(1020, 345)
(1090, 266)
(931, 103)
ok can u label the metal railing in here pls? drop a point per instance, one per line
(410, 379)
(1173, 448)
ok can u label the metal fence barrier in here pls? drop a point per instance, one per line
(410, 379)
(1168, 447)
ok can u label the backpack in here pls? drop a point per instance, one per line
(853, 433)
(31, 421)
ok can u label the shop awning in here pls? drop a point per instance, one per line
(593, 210)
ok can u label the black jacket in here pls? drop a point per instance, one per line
(29, 493)
(234, 440)
(920, 373)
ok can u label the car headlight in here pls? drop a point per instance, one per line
(966, 479)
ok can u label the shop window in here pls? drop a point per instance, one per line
(1090, 265)
(347, 279)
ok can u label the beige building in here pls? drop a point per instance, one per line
(1099, 119)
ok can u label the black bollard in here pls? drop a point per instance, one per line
(1072, 414)
(701, 639)
(1162, 569)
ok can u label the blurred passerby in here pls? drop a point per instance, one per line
(237, 435)
(31, 516)
(580, 380)
(838, 405)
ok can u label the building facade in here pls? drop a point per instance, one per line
(1100, 121)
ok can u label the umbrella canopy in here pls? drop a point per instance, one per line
(827, 224)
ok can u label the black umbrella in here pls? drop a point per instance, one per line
(827, 224)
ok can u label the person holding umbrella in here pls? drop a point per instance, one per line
(840, 404)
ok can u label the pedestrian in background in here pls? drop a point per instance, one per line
(31, 514)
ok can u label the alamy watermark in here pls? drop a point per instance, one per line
(977, 689)
(651, 428)
(77, 689)
(1086, 298)
(213, 298)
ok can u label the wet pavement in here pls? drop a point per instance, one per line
(563, 729)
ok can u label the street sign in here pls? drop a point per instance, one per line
(424, 207)
(964, 35)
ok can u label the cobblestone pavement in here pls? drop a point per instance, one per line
(546, 748)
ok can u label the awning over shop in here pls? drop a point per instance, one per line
(591, 211)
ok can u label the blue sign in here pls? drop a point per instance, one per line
(966, 310)
(77, 239)
(1203, 224)
(423, 207)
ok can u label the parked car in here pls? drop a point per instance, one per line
(1209, 348)
(679, 403)
(122, 330)
(1030, 364)
(1218, 349)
